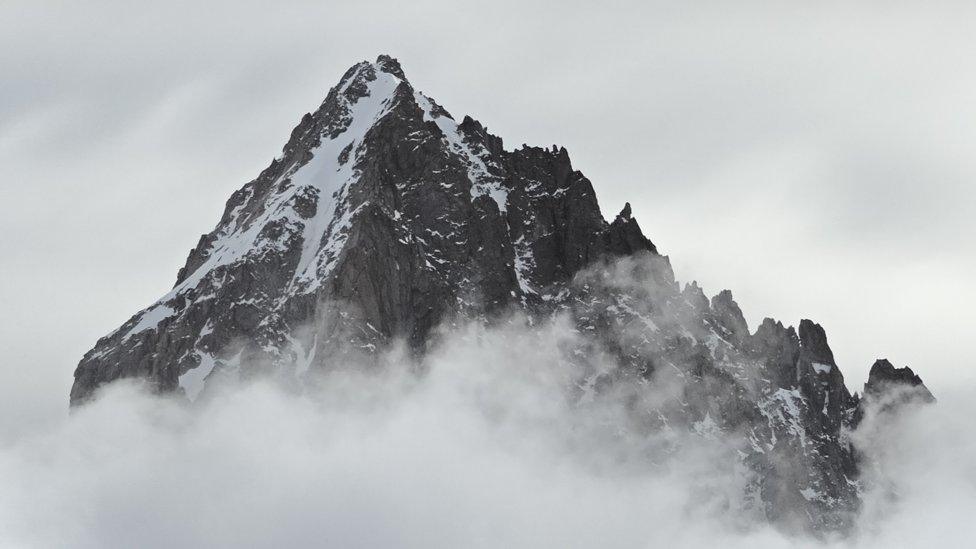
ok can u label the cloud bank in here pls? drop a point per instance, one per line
(477, 446)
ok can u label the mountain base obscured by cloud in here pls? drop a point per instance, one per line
(483, 449)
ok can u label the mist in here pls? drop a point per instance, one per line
(479, 444)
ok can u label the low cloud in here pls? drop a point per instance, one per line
(484, 448)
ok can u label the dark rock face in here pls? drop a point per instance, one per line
(884, 375)
(890, 389)
(384, 218)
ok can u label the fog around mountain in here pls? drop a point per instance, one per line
(814, 159)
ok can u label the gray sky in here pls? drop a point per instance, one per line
(816, 160)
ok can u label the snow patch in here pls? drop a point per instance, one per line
(324, 234)
(783, 407)
(303, 358)
(322, 179)
(192, 381)
(150, 319)
(524, 264)
(810, 494)
(482, 182)
(822, 368)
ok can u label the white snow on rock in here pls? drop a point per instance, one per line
(326, 180)
(784, 407)
(150, 319)
(822, 368)
(324, 234)
(810, 494)
(303, 357)
(322, 178)
(524, 265)
(482, 182)
(192, 381)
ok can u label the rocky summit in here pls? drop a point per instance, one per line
(385, 218)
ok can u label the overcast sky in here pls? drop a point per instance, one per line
(817, 160)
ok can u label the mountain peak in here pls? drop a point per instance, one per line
(384, 219)
(625, 213)
(378, 192)
(389, 64)
(884, 375)
(358, 82)
(626, 236)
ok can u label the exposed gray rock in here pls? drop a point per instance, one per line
(889, 390)
(884, 376)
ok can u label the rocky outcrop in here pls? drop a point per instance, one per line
(383, 218)
(884, 376)
(889, 390)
